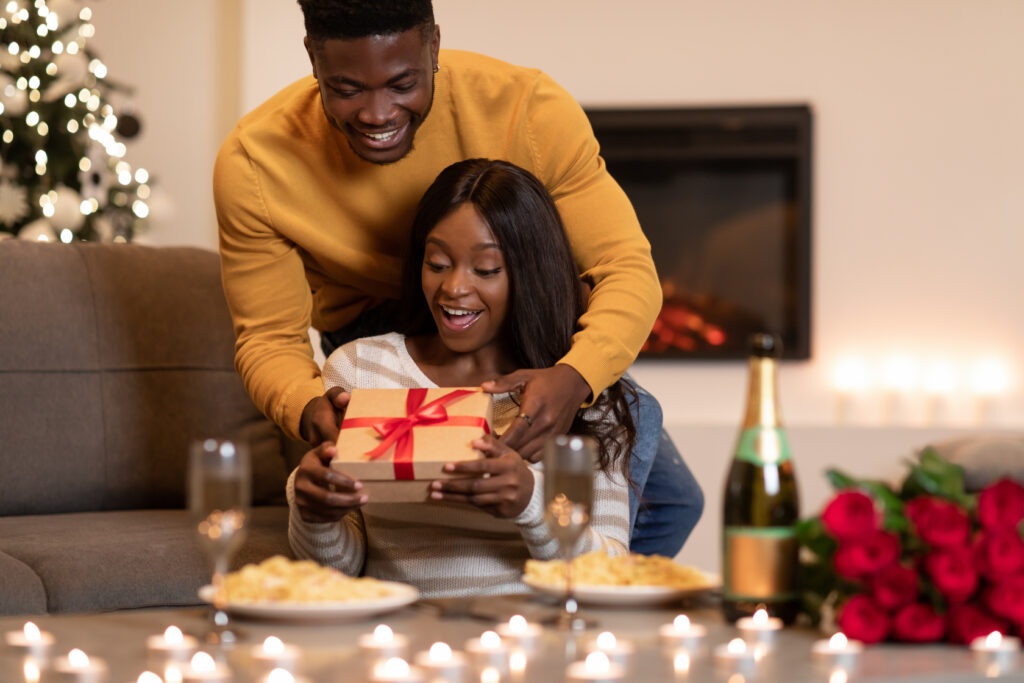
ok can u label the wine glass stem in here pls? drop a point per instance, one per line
(570, 607)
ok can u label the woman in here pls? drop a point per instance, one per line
(489, 286)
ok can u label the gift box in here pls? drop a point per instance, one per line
(396, 441)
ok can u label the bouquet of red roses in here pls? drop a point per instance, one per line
(924, 562)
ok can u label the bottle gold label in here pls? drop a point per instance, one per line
(760, 563)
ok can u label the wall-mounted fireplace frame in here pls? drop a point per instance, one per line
(774, 142)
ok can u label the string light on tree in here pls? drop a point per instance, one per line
(63, 126)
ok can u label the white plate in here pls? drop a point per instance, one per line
(623, 596)
(402, 595)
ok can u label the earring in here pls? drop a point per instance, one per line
(436, 68)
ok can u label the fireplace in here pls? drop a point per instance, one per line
(724, 196)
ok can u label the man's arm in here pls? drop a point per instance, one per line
(613, 256)
(267, 293)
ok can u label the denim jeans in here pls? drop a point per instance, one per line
(670, 501)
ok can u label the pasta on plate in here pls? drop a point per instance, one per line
(280, 580)
(598, 569)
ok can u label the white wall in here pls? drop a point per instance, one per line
(919, 165)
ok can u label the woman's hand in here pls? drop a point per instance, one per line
(500, 483)
(323, 494)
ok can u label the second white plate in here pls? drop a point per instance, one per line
(622, 596)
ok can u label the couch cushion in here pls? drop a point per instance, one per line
(21, 591)
(985, 457)
(97, 561)
(112, 359)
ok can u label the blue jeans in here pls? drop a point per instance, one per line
(670, 501)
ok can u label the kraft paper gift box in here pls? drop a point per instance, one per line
(396, 441)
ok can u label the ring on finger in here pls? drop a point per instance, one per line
(526, 418)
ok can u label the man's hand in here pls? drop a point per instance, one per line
(323, 494)
(499, 483)
(322, 417)
(549, 401)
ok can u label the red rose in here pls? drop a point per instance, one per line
(953, 573)
(1006, 598)
(851, 514)
(938, 522)
(1001, 505)
(861, 618)
(967, 622)
(894, 586)
(867, 555)
(918, 623)
(999, 553)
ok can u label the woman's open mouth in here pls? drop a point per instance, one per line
(458, 318)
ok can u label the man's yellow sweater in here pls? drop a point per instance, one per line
(312, 234)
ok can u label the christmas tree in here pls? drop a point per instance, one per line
(63, 175)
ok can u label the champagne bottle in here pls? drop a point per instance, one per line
(759, 544)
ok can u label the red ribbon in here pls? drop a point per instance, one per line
(398, 430)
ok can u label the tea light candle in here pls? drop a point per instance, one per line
(149, 677)
(395, 670)
(618, 651)
(520, 633)
(203, 669)
(441, 664)
(79, 668)
(995, 650)
(282, 676)
(31, 641)
(736, 656)
(596, 668)
(681, 634)
(759, 629)
(837, 652)
(383, 643)
(274, 654)
(171, 646)
(488, 651)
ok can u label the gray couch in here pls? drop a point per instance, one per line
(112, 359)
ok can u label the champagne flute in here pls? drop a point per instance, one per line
(569, 463)
(220, 484)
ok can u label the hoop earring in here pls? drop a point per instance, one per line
(436, 68)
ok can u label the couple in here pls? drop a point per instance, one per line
(315, 191)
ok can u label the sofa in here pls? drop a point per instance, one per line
(113, 358)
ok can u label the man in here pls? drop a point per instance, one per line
(315, 191)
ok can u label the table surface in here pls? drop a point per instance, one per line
(330, 653)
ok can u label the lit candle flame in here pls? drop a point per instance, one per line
(395, 667)
(202, 662)
(681, 623)
(681, 662)
(280, 676)
(606, 641)
(173, 635)
(490, 675)
(78, 659)
(440, 653)
(149, 677)
(597, 663)
(838, 641)
(760, 618)
(517, 661)
(517, 624)
(383, 634)
(273, 646)
(489, 640)
(736, 646)
(32, 633)
(993, 639)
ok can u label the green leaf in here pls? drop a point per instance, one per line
(812, 535)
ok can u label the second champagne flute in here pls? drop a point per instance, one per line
(569, 463)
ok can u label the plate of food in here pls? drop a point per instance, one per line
(623, 581)
(280, 589)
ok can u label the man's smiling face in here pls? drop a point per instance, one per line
(377, 90)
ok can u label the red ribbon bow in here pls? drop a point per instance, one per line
(398, 430)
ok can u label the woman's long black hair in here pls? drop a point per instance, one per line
(546, 296)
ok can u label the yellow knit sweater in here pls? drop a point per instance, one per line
(312, 234)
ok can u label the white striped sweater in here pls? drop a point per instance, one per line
(444, 550)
